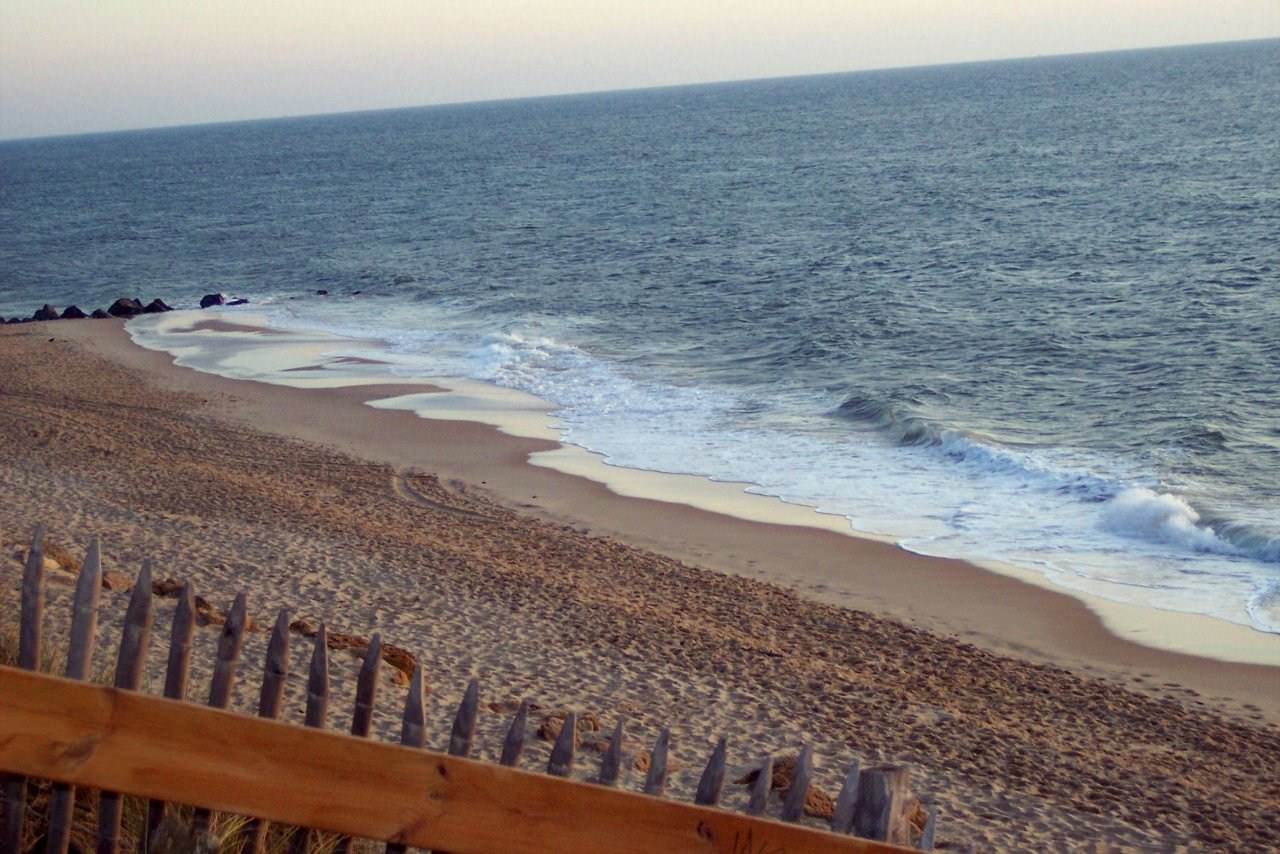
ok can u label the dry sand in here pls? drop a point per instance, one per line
(1023, 718)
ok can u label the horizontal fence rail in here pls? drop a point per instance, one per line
(80, 734)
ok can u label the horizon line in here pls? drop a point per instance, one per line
(628, 89)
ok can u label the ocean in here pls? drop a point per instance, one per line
(1022, 311)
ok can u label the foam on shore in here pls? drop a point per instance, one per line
(244, 346)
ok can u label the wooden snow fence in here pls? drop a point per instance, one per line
(122, 742)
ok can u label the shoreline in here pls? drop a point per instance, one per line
(1002, 609)
(327, 509)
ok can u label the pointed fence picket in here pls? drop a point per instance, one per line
(129, 668)
(230, 643)
(317, 709)
(175, 686)
(29, 637)
(84, 633)
(413, 732)
(872, 802)
(275, 673)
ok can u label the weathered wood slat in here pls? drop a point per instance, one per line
(760, 789)
(275, 673)
(366, 699)
(84, 619)
(842, 817)
(130, 665)
(175, 685)
(230, 644)
(464, 722)
(880, 812)
(367, 688)
(84, 633)
(151, 747)
(712, 781)
(178, 667)
(930, 825)
(413, 732)
(318, 681)
(513, 744)
(793, 804)
(611, 762)
(317, 710)
(561, 762)
(413, 727)
(32, 624)
(29, 638)
(655, 781)
(275, 669)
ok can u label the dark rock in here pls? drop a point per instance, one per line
(99, 314)
(156, 306)
(239, 301)
(72, 312)
(47, 312)
(212, 299)
(356, 293)
(322, 293)
(124, 307)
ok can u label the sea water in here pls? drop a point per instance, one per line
(1024, 311)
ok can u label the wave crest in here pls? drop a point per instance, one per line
(1143, 514)
(905, 428)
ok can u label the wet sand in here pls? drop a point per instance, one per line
(1030, 723)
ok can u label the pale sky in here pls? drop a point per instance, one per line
(71, 66)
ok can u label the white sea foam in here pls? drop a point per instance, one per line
(1085, 522)
(1159, 517)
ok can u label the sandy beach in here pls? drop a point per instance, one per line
(1029, 722)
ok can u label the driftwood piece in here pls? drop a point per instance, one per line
(561, 762)
(84, 631)
(317, 709)
(513, 744)
(712, 781)
(760, 788)
(656, 780)
(413, 732)
(464, 722)
(880, 810)
(611, 762)
(29, 637)
(230, 643)
(793, 804)
(130, 664)
(842, 817)
(366, 698)
(275, 672)
(175, 685)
